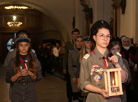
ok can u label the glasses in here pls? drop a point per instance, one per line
(102, 37)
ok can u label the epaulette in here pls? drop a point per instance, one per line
(86, 56)
(11, 50)
(33, 50)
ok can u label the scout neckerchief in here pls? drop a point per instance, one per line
(104, 59)
(24, 63)
(105, 62)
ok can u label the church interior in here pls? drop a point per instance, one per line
(52, 21)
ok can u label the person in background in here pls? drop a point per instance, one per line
(87, 47)
(12, 53)
(73, 60)
(115, 46)
(56, 50)
(92, 81)
(136, 44)
(135, 95)
(62, 48)
(49, 61)
(62, 52)
(69, 46)
(132, 42)
(44, 54)
(22, 72)
(128, 52)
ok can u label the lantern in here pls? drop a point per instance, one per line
(113, 84)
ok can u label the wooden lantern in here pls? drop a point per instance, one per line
(113, 82)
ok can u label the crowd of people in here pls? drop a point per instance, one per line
(83, 83)
(78, 58)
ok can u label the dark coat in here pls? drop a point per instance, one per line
(23, 92)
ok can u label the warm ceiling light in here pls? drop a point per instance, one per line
(16, 7)
(14, 18)
(14, 24)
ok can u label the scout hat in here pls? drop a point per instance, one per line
(22, 32)
(22, 39)
(86, 38)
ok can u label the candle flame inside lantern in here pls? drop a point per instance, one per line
(113, 82)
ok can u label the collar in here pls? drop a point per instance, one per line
(76, 49)
(27, 58)
(127, 48)
(99, 55)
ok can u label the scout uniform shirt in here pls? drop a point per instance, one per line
(69, 46)
(12, 53)
(73, 61)
(23, 92)
(92, 66)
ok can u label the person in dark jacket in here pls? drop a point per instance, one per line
(128, 52)
(44, 54)
(12, 53)
(22, 72)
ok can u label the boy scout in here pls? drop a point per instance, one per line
(69, 46)
(73, 63)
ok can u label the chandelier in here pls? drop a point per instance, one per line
(14, 23)
(16, 7)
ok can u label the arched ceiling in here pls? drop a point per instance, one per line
(48, 8)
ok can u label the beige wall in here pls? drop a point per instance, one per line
(127, 20)
(102, 9)
(136, 29)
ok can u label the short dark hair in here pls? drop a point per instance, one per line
(98, 25)
(78, 37)
(22, 31)
(75, 30)
(115, 41)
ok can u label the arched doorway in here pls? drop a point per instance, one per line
(61, 29)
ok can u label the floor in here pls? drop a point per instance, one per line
(49, 89)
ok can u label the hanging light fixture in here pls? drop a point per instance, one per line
(14, 23)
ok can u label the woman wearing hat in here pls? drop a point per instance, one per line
(11, 54)
(92, 81)
(22, 72)
(87, 47)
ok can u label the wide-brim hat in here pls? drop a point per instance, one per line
(22, 39)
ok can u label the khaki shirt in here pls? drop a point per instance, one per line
(87, 76)
(69, 46)
(73, 61)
